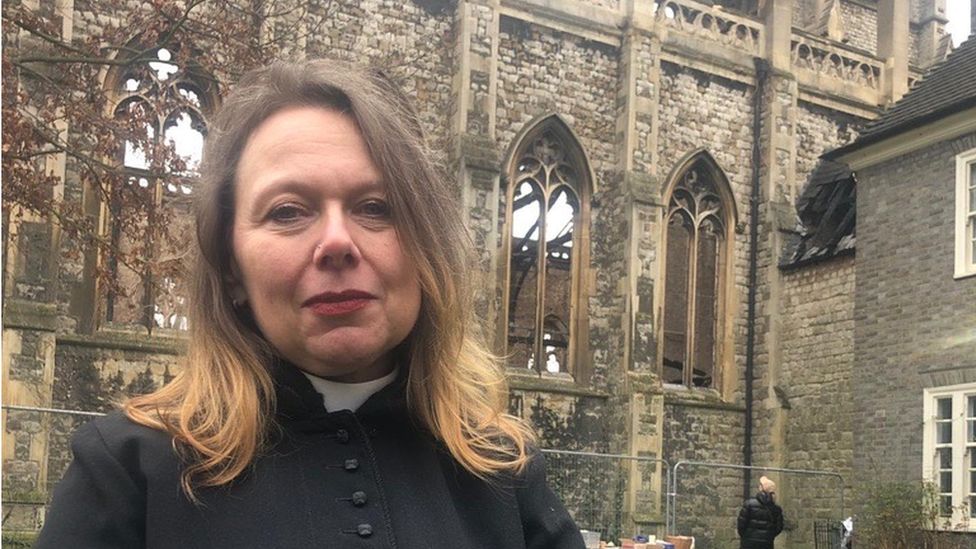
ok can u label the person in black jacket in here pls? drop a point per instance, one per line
(760, 519)
(335, 391)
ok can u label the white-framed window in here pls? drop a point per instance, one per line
(966, 214)
(949, 453)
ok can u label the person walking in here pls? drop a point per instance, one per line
(760, 519)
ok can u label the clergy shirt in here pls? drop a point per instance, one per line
(337, 395)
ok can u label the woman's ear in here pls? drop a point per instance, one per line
(238, 294)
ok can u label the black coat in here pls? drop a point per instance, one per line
(372, 478)
(760, 521)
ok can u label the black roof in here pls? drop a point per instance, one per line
(948, 87)
(826, 216)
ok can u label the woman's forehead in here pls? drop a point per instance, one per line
(303, 145)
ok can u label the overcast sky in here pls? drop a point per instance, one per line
(958, 13)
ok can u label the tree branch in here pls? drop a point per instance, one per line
(48, 38)
(86, 60)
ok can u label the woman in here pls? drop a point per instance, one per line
(760, 519)
(335, 393)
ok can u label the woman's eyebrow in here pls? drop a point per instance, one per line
(279, 187)
(304, 188)
(370, 186)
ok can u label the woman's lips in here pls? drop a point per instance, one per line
(338, 303)
(335, 308)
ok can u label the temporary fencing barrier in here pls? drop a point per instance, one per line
(800, 520)
(614, 494)
(617, 495)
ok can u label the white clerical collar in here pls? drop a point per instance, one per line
(337, 395)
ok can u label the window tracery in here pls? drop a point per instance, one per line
(547, 189)
(696, 253)
(162, 105)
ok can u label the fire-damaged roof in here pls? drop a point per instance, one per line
(827, 206)
(826, 212)
(948, 87)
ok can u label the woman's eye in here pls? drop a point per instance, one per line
(286, 213)
(375, 208)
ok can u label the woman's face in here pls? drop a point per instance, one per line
(315, 249)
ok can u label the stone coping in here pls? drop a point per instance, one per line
(29, 315)
(125, 341)
(551, 383)
(698, 398)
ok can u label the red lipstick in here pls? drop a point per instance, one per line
(338, 303)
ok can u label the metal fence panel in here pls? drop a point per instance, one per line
(705, 502)
(595, 487)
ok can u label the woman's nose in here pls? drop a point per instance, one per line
(336, 247)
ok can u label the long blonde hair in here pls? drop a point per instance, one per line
(219, 408)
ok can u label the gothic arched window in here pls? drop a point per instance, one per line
(697, 236)
(161, 104)
(549, 185)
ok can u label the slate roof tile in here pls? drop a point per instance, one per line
(826, 216)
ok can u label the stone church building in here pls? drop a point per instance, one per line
(693, 297)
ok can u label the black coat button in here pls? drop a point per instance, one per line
(351, 464)
(359, 498)
(342, 436)
(364, 530)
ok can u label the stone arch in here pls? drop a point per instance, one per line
(175, 97)
(697, 247)
(548, 184)
(557, 123)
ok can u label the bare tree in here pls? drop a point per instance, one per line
(98, 92)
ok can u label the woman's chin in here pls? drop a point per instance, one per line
(348, 364)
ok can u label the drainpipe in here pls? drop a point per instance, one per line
(762, 74)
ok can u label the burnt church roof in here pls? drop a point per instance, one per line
(947, 88)
(826, 215)
(826, 208)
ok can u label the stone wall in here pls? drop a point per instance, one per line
(914, 55)
(916, 8)
(639, 101)
(96, 375)
(913, 322)
(545, 71)
(414, 42)
(28, 376)
(700, 110)
(860, 21)
(31, 276)
(818, 361)
(606, 4)
(804, 14)
(593, 489)
(90, 374)
(698, 428)
(819, 130)
(646, 89)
